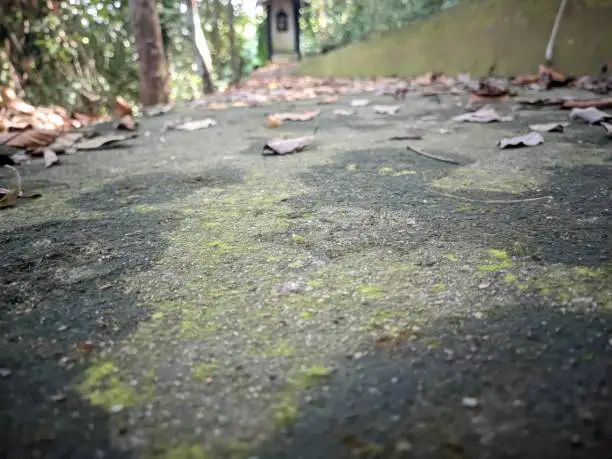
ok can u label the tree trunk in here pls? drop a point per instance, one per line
(234, 51)
(153, 74)
(203, 58)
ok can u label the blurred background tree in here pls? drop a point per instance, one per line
(73, 52)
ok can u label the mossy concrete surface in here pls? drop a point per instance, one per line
(472, 36)
(188, 298)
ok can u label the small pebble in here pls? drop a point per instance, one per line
(403, 446)
(478, 315)
(5, 372)
(469, 402)
(62, 328)
(483, 285)
(116, 408)
(394, 380)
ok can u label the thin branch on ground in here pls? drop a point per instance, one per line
(430, 156)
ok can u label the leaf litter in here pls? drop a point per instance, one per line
(194, 125)
(386, 109)
(549, 127)
(591, 115)
(296, 116)
(286, 146)
(486, 114)
(528, 140)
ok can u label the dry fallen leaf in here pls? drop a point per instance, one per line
(65, 142)
(541, 102)
(157, 110)
(360, 102)
(285, 146)
(30, 139)
(274, 122)
(386, 109)
(327, 100)
(195, 125)
(484, 114)
(127, 122)
(10, 197)
(528, 140)
(122, 108)
(217, 106)
(591, 115)
(10, 100)
(50, 157)
(105, 140)
(549, 127)
(300, 116)
(343, 112)
(586, 103)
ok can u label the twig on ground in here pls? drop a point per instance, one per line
(491, 201)
(430, 156)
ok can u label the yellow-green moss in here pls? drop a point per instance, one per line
(503, 258)
(404, 172)
(385, 171)
(439, 288)
(203, 371)
(182, 451)
(103, 386)
(352, 167)
(369, 290)
(298, 239)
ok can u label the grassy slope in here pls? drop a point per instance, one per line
(473, 35)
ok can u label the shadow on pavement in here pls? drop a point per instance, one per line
(534, 383)
(64, 283)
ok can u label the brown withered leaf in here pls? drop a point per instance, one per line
(105, 140)
(286, 146)
(386, 109)
(528, 140)
(217, 106)
(12, 101)
(274, 122)
(586, 103)
(29, 140)
(425, 80)
(299, 116)
(122, 108)
(328, 100)
(195, 125)
(50, 157)
(523, 80)
(9, 197)
(550, 78)
(484, 114)
(541, 102)
(127, 123)
(591, 115)
(549, 127)
(65, 142)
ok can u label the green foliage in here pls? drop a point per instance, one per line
(332, 23)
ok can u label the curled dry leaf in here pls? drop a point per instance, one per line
(586, 103)
(549, 127)
(386, 109)
(50, 157)
(195, 125)
(528, 140)
(328, 100)
(10, 100)
(65, 142)
(286, 146)
(343, 112)
(360, 102)
(274, 122)
(10, 197)
(484, 114)
(29, 140)
(106, 140)
(122, 108)
(127, 123)
(591, 115)
(157, 110)
(300, 116)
